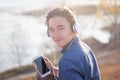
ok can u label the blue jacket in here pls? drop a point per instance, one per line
(78, 62)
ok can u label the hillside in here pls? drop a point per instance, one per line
(109, 63)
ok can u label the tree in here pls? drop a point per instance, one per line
(18, 45)
(111, 8)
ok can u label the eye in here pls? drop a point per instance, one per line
(61, 28)
(51, 30)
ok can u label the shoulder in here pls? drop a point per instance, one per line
(77, 53)
(79, 50)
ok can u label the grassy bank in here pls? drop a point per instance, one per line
(109, 63)
(17, 71)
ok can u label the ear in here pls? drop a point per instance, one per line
(48, 33)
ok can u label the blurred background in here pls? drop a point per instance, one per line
(23, 35)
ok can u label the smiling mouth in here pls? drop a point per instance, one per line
(57, 41)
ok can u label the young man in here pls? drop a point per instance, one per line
(78, 61)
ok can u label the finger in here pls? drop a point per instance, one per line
(47, 61)
(45, 58)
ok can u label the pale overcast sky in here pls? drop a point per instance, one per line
(39, 4)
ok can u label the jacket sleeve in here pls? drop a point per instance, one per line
(70, 70)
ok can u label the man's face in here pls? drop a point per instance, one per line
(60, 31)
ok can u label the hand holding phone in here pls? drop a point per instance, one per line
(54, 70)
(42, 67)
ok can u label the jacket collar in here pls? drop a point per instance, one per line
(70, 44)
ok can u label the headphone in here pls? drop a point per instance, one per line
(48, 33)
(75, 28)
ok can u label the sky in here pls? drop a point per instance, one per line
(19, 5)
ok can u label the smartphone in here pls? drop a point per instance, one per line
(41, 65)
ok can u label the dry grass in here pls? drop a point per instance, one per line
(30, 77)
(109, 67)
(110, 71)
(16, 72)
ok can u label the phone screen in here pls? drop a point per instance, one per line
(41, 65)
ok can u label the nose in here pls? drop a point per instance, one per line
(55, 34)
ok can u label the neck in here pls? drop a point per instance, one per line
(67, 46)
(69, 43)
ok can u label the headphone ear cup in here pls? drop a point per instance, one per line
(74, 28)
(48, 33)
